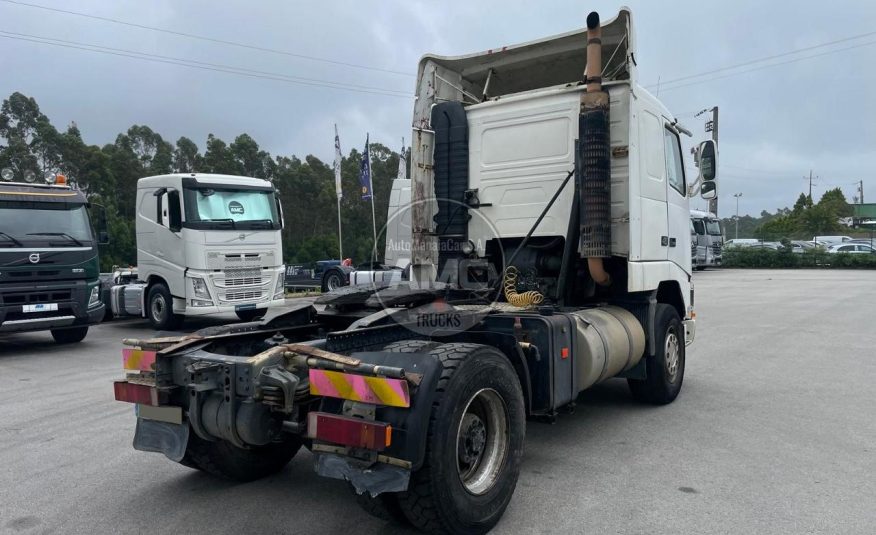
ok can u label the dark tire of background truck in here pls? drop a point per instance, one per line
(69, 336)
(385, 506)
(159, 309)
(474, 443)
(225, 460)
(332, 280)
(665, 370)
(250, 315)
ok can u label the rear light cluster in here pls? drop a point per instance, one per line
(351, 432)
(136, 393)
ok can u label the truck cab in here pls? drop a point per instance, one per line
(49, 269)
(208, 244)
(709, 237)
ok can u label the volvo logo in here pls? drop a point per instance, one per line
(34, 258)
(241, 237)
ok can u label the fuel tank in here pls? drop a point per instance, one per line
(610, 340)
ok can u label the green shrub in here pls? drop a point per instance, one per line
(785, 259)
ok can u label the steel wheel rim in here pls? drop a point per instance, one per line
(672, 353)
(482, 441)
(158, 307)
(332, 283)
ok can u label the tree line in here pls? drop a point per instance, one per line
(108, 175)
(805, 220)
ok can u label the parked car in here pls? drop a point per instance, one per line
(854, 248)
(740, 242)
(870, 242)
(831, 240)
(769, 245)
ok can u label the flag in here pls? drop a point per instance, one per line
(365, 172)
(338, 189)
(402, 167)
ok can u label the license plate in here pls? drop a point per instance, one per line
(239, 308)
(41, 307)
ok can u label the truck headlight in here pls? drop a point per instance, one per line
(280, 290)
(199, 286)
(94, 298)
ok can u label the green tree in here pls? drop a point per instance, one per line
(186, 158)
(835, 203)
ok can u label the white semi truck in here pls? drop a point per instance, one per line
(206, 244)
(550, 252)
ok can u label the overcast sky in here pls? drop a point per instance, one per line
(775, 123)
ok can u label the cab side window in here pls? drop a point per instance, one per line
(674, 163)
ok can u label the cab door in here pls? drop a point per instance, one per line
(678, 213)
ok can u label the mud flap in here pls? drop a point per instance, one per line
(162, 437)
(374, 480)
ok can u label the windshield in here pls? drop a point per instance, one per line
(698, 227)
(52, 224)
(713, 227)
(230, 208)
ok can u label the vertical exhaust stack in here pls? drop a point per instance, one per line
(594, 155)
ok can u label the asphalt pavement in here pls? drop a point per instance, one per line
(774, 432)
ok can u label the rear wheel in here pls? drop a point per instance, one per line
(665, 370)
(223, 459)
(332, 280)
(474, 444)
(160, 309)
(69, 336)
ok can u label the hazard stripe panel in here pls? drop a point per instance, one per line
(139, 359)
(376, 390)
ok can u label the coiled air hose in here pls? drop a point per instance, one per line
(526, 299)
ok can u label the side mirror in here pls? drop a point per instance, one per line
(708, 160)
(174, 213)
(280, 211)
(98, 213)
(708, 190)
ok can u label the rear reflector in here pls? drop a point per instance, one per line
(352, 432)
(376, 390)
(134, 393)
(139, 359)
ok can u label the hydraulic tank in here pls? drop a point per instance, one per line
(609, 340)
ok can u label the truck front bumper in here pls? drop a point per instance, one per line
(229, 309)
(70, 301)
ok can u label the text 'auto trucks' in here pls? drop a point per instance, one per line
(206, 244)
(550, 252)
(48, 258)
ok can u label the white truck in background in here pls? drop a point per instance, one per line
(710, 240)
(397, 252)
(206, 244)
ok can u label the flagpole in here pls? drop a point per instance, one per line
(371, 189)
(340, 238)
(338, 192)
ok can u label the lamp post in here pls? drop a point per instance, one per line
(737, 195)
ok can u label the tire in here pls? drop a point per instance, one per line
(250, 315)
(224, 460)
(159, 308)
(385, 506)
(665, 372)
(69, 336)
(465, 487)
(332, 280)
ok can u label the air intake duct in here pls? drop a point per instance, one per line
(595, 160)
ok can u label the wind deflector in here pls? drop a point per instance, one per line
(547, 62)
